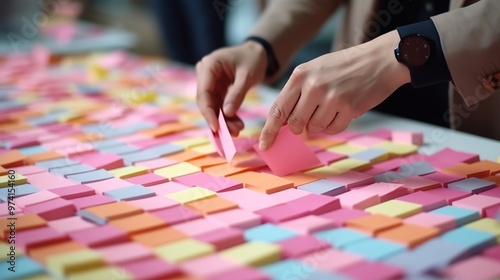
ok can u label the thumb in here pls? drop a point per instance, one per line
(236, 93)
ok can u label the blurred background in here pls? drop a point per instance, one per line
(179, 30)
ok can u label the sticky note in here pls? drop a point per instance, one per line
(236, 218)
(495, 192)
(373, 270)
(222, 238)
(53, 209)
(130, 193)
(138, 223)
(12, 159)
(471, 239)
(352, 179)
(315, 204)
(29, 169)
(104, 272)
(342, 260)
(281, 213)
(177, 170)
(345, 149)
(324, 187)
(191, 194)
(92, 176)
(41, 254)
(449, 194)
(222, 140)
(487, 225)
(340, 216)
(467, 170)
(21, 190)
(35, 237)
(155, 237)
(286, 268)
(479, 203)
(418, 168)
(128, 171)
(151, 268)
(280, 158)
(37, 197)
(262, 182)
(356, 199)
(71, 262)
(327, 157)
(341, 237)
(269, 233)
(409, 235)
(455, 156)
(23, 222)
(105, 161)
(240, 272)
(395, 208)
(74, 191)
(472, 185)
(375, 249)
(24, 268)
(488, 164)
(429, 220)
(350, 164)
(308, 224)
(461, 215)
(213, 265)
(408, 137)
(176, 214)
(253, 253)
(374, 224)
(426, 200)
(384, 191)
(99, 236)
(213, 183)
(103, 213)
(69, 224)
(12, 180)
(373, 155)
(91, 200)
(154, 203)
(56, 163)
(417, 183)
(211, 205)
(301, 245)
(398, 149)
(477, 267)
(183, 250)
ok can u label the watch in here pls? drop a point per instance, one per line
(414, 50)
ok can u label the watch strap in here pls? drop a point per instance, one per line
(435, 70)
(272, 63)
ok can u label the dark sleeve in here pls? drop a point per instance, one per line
(435, 70)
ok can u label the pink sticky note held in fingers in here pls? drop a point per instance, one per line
(222, 140)
(288, 154)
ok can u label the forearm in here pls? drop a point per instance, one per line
(289, 24)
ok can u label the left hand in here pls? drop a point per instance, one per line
(326, 93)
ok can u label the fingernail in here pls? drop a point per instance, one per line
(228, 109)
(263, 145)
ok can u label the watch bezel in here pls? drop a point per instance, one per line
(400, 56)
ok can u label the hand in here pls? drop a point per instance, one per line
(326, 93)
(224, 77)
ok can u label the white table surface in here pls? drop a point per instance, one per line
(435, 137)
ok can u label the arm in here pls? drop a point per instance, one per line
(470, 38)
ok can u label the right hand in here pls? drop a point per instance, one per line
(224, 77)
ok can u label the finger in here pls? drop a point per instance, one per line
(322, 117)
(205, 97)
(339, 123)
(235, 125)
(279, 112)
(236, 93)
(301, 113)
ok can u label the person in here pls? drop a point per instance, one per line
(325, 94)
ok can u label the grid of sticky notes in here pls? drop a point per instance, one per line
(110, 173)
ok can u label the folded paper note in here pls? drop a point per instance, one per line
(222, 140)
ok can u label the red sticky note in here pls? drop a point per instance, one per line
(288, 154)
(222, 140)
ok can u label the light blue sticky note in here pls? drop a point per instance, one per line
(462, 216)
(43, 120)
(472, 185)
(130, 193)
(90, 177)
(165, 149)
(23, 267)
(418, 168)
(375, 249)
(119, 150)
(341, 237)
(72, 169)
(388, 177)
(21, 190)
(131, 158)
(473, 240)
(107, 143)
(91, 217)
(321, 275)
(56, 163)
(368, 154)
(324, 187)
(32, 150)
(287, 269)
(268, 233)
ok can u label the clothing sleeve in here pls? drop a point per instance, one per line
(470, 39)
(288, 24)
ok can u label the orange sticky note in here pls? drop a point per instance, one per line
(224, 170)
(184, 156)
(23, 222)
(168, 128)
(409, 235)
(42, 253)
(207, 161)
(115, 210)
(373, 224)
(467, 170)
(211, 205)
(154, 238)
(138, 223)
(262, 182)
(12, 159)
(48, 155)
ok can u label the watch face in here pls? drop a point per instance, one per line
(415, 50)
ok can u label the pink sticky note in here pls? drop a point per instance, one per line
(478, 268)
(74, 191)
(308, 224)
(340, 216)
(325, 263)
(150, 268)
(208, 266)
(301, 245)
(27, 239)
(154, 203)
(99, 236)
(248, 199)
(70, 224)
(47, 181)
(29, 169)
(288, 154)
(156, 163)
(113, 59)
(327, 157)
(353, 179)
(147, 180)
(37, 197)
(197, 227)
(168, 188)
(428, 201)
(442, 222)
(57, 208)
(214, 183)
(124, 252)
(109, 184)
(385, 191)
(316, 204)
(358, 200)
(236, 218)
(477, 202)
(91, 200)
(222, 140)
(222, 238)
(372, 271)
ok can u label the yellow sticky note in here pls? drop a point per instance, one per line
(398, 149)
(346, 149)
(323, 172)
(251, 131)
(206, 149)
(191, 194)
(498, 159)
(12, 180)
(68, 263)
(487, 225)
(40, 277)
(128, 171)
(106, 272)
(177, 170)
(97, 73)
(350, 164)
(183, 250)
(253, 253)
(395, 208)
(5, 249)
(192, 142)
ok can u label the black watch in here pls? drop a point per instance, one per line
(414, 51)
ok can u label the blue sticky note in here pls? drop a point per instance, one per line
(131, 158)
(43, 120)
(418, 168)
(473, 240)
(91, 217)
(72, 169)
(472, 185)
(341, 237)
(369, 154)
(32, 150)
(287, 269)
(268, 233)
(107, 143)
(324, 187)
(21, 190)
(322, 275)
(130, 193)
(165, 149)
(462, 216)
(375, 249)
(24, 267)
(119, 150)
(90, 177)
(388, 176)
(56, 163)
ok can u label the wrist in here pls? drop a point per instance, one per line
(397, 73)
